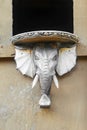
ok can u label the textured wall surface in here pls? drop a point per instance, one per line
(5, 21)
(80, 19)
(19, 109)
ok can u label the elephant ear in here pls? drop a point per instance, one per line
(24, 62)
(66, 60)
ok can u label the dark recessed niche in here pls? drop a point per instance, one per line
(32, 15)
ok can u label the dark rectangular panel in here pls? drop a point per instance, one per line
(29, 15)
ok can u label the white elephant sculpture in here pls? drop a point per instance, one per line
(41, 59)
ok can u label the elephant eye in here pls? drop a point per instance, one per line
(54, 58)
(36, 58)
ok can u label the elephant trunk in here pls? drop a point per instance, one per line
(45, 76)
(45, 83)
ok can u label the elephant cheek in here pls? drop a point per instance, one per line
(45, 83)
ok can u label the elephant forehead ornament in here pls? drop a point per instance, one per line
(42, 54)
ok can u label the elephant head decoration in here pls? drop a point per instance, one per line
(43, 54)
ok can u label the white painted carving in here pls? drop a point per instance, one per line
(66, 60)
(24, 62)
(35, 81)
(56, 81)
(43, 61)
(44, 101)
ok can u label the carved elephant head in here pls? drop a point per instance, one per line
(43, 61)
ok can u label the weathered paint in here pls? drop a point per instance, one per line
(9, 51)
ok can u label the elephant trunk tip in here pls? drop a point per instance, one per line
(44, 101)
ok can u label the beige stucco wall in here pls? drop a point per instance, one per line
(5, 21)
(80, 19)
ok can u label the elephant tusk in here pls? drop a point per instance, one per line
(35, 81)
(56, 81)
